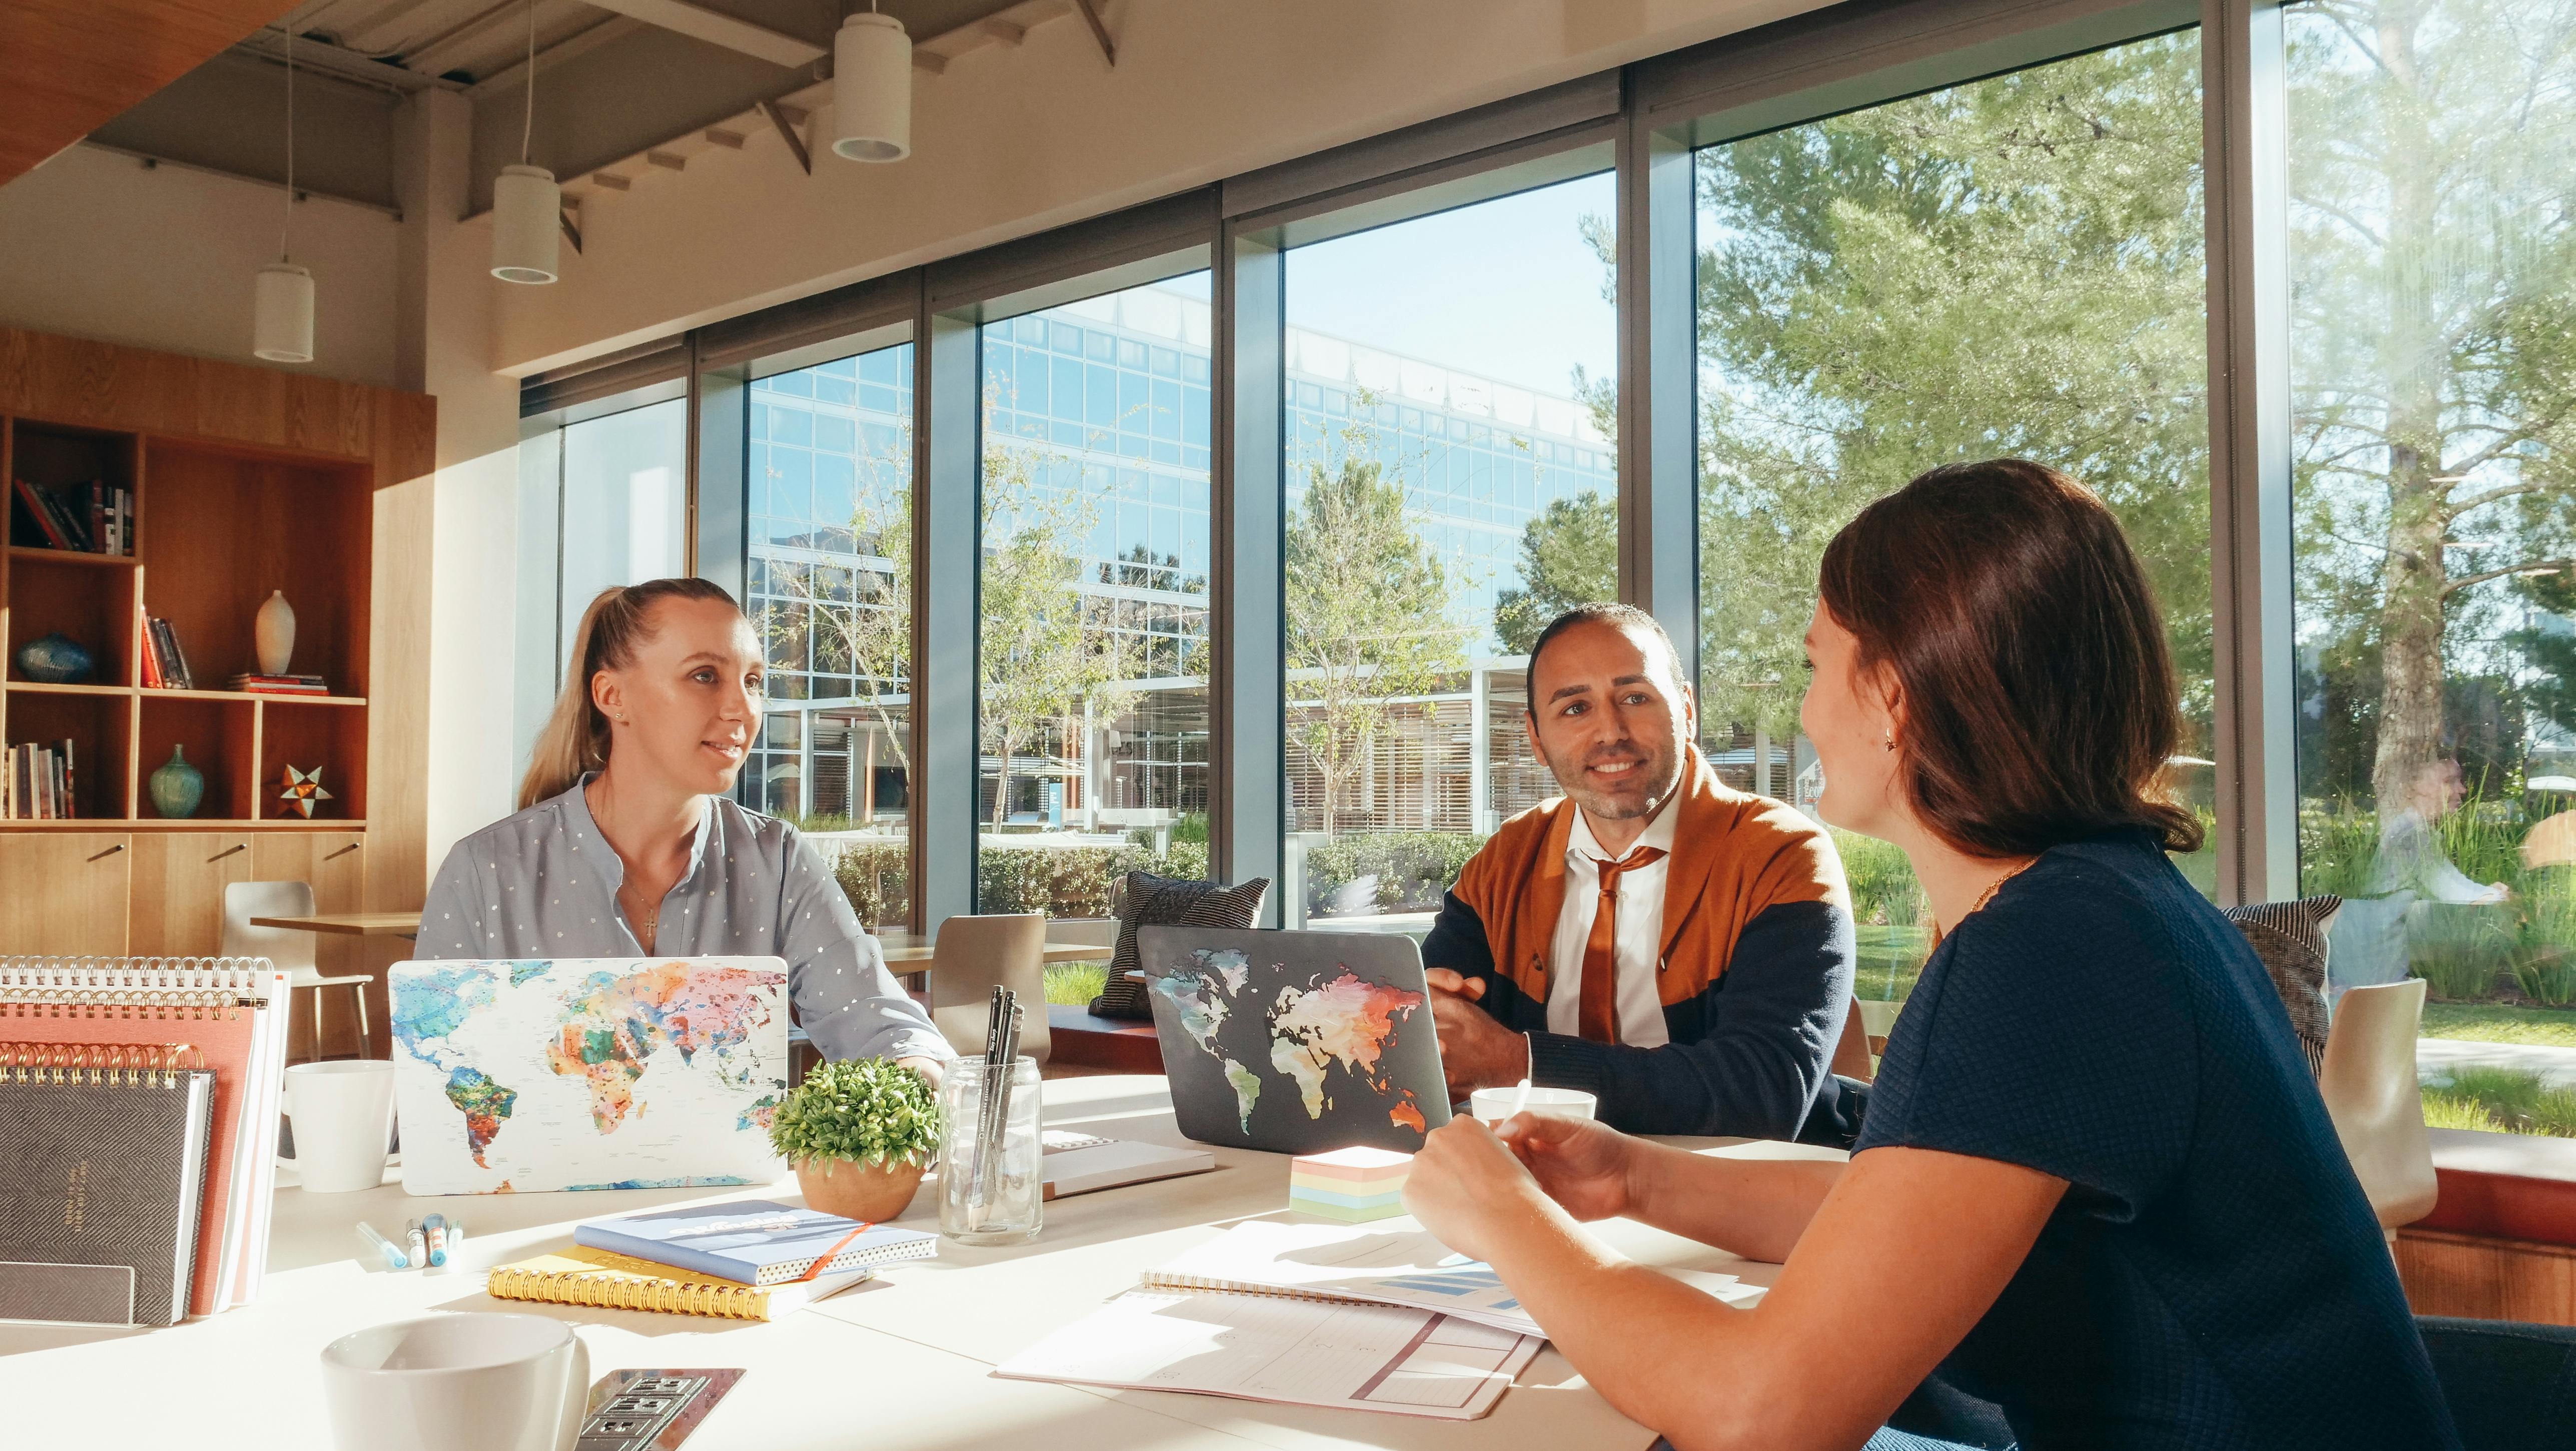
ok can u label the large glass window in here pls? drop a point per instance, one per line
(2009, 267)
(1093, 637)
(1451, 486)
(625, 507)
(829, 580)
(2432, 156)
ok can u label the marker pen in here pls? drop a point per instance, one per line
(419, 1244)
(437, 1227)
(394, 1258)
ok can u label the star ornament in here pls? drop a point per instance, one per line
(302, 790)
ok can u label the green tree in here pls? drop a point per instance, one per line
(1569, 556)
(1046, 650)
(2435, 292)
(2008, 267)
(1368, 608)
(861, 617)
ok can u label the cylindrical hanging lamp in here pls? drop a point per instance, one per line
(527, 234)
(872, 89)
(282, 314)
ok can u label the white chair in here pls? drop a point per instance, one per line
(972, 956)
(1100, 932)
(287, 947)
(2369, 1083)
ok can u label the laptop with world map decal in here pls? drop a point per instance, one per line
(1295, 1042)
(588, 1073)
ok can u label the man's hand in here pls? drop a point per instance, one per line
(1475, 1051)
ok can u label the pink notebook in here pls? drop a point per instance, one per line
(224, 1038)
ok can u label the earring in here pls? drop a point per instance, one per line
(1886, 738)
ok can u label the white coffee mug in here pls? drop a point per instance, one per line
(458, 1383)
(1490, 1106)
(343, 1112)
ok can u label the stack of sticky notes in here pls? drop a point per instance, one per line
(1351, 1185)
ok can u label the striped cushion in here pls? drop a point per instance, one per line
(2290, 938)
(1147, 900)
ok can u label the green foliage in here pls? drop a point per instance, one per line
(1569, 557)
(860, 1110)
(1190, 826)
(2007, 267)
(1412, 868)
(1883, 889)
(1368, 607)
(2546, 975)
(1071, 881)
(1075, 984)
(2458, 951)
(2512, 1100)
(2338, 849)
(877, 878)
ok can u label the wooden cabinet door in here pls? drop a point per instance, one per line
(64, 894)
(179, 881)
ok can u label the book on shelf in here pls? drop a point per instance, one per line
(278, 684)
(754, 1241)
(42, 782)
(603, 1279)
(89, 518)
(167, 660)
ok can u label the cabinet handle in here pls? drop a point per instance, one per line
(344, 851)
(229, 851)
(111, 851)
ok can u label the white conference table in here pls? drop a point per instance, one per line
(903, 1363)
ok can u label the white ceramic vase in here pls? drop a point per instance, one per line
(274, 634)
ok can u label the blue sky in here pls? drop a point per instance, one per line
(1506, 289)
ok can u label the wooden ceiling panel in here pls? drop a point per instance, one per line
(69, 66)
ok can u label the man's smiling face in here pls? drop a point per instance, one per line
(1610, 718)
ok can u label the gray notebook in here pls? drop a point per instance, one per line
(102, 1175)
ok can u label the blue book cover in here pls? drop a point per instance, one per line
(752, 1241)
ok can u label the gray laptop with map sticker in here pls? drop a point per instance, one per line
(1295, 1042)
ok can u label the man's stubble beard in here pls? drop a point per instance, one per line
(1664, 765)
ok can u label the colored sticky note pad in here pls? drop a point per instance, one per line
(1367, 1168)
(1350, 1185)
(1344, 1214)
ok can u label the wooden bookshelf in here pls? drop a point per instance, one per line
(245, 479)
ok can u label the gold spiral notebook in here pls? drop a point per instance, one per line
(603, 1280)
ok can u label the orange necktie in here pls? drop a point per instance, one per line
(1600, 1006)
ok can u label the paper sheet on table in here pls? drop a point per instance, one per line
(1393, 1262)
(1296, 1352)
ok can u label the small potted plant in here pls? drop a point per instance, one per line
(860, 1132)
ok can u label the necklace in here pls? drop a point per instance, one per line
(1983, 897)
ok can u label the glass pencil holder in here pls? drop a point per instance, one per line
(992, 1180)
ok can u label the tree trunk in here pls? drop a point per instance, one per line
(1002, 781)
(2412, 361)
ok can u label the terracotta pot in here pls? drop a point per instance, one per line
(871, 1192)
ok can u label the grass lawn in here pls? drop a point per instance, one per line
(2500, 1100)
(1890, 959)
(1075, 984)
(2493, 1023)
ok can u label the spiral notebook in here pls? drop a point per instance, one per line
(100, 1199)
(602, 1279)
(219, 1007)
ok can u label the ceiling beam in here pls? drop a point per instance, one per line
(717, 28)
(787, 132)
(1091, 16)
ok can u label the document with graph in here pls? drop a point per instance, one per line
(1296, 1351)
(1389, 1262)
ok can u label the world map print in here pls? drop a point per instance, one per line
(588, 1073)
(1320, 1041)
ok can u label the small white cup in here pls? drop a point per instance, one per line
(458, 1383)
(1490, 1106)
(344, 1113)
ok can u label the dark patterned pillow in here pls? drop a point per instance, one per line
(1147, 900)
(2291, 939)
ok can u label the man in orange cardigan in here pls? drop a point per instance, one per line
(1682, 950)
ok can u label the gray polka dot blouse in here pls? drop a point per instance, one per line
(544, 883)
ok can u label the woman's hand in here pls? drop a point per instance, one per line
(930, 1068)
(1581, 1164)
(1465, 1185)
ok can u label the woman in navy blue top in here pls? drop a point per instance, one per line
(2095, 1184)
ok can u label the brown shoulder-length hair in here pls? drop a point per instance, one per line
(2004, 603)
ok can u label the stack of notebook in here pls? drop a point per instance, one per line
(138, 1103)
(745, 1259)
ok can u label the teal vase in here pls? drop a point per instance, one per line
(177, 788)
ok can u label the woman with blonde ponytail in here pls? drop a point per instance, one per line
(628, 843)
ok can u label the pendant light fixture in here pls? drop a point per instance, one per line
(527, 206)
(282, 296)
(872, 88)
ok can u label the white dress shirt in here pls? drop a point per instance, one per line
(1636, 949)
